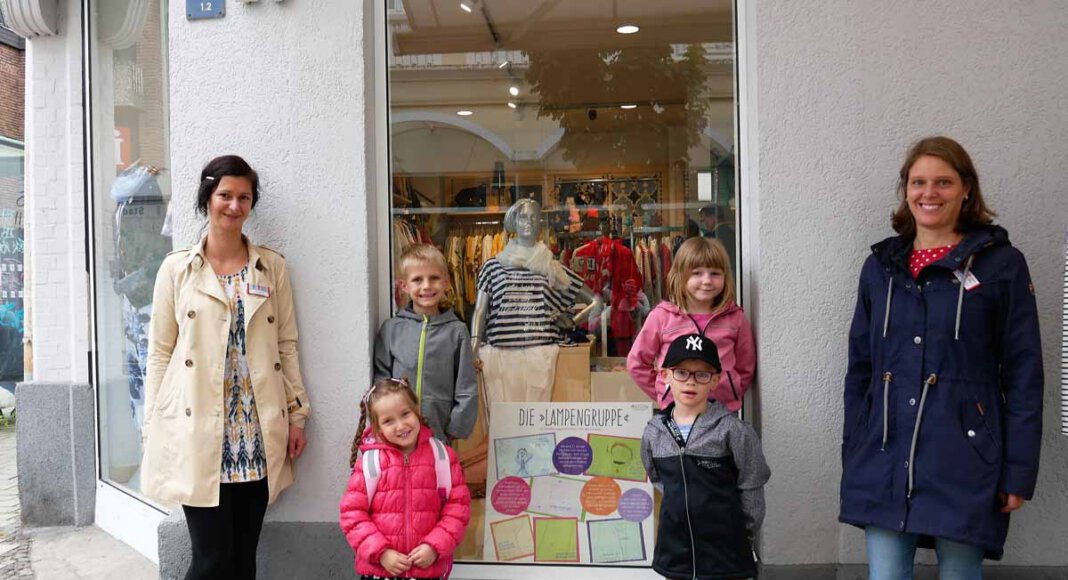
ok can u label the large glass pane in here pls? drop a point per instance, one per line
(131, 193)
(12, 261)
(618, 119)
(13, 317)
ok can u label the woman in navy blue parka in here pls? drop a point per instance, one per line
(943, 394)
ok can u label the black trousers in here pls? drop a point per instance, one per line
(225, 537)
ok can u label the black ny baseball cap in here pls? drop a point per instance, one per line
(692, 346)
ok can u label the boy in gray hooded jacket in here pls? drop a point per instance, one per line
(430, 347)
(710, 468)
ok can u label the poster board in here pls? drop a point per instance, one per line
(566, 484)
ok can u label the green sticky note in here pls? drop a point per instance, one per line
(556, 540)
(616, 457)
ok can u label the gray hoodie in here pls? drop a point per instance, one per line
(713, 486)
(434, 354)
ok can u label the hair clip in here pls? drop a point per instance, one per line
(403, 382)
(210, 178)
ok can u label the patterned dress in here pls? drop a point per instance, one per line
(243, 456)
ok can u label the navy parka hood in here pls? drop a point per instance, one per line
(943, 392)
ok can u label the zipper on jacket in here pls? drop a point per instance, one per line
(887, 377)
(422, 355)
(407, 505)
(733, 389)
(686, 500)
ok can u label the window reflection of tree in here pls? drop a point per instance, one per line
(584, 89)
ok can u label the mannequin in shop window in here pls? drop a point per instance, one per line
(522, 312)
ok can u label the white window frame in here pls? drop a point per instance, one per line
(131, 517)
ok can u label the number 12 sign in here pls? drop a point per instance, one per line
(201, 9)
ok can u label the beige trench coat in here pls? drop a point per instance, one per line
(184, 396)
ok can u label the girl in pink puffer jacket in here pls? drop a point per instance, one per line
(408, 529)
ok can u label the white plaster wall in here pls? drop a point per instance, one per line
(843, 87)
(55, 204)
(282, 85)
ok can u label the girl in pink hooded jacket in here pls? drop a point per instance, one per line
(409, 529)
(701, 289)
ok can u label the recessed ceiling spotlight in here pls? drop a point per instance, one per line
(627, 29)
(464, 113)
(465, 6)
(503, 64)
(511, 105)
(513, 90)
(628, 107)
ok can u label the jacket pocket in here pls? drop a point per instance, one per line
(977, 431)
(168, 389)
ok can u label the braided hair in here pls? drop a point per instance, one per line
(379, 389)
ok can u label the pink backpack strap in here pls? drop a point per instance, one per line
(372, 472)
(441, 467)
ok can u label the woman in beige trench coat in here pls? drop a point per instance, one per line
(224, 402)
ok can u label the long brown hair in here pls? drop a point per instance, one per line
(973, 210)
(696, 253)
(379, 390)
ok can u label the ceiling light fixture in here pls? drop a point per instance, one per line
(465, 7)
(628, 107)
(627, 29)
(513, 90)
(511, 105)
(464, 113)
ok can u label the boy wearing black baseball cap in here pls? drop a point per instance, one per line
(709, 465)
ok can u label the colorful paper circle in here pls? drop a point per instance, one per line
(635, 505)
(511, 496)
(572, 456)
(600, 496)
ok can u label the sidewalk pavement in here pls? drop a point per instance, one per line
(86, 553)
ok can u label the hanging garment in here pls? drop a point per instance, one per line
(665, 263)
(470, 270)
(498, 242)
(607, 263)
(455, 258)
(487, 248)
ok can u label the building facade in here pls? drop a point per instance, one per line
(374, 123)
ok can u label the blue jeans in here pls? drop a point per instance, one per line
(890, 557)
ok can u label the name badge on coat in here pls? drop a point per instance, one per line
(970, 281)
(257, 290)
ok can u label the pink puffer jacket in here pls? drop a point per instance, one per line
(406, 510)
(728, 328)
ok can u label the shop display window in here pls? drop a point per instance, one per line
(612, 128)
(131, 186)
(12, 271)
